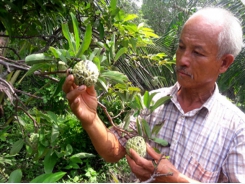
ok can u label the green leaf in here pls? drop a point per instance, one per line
(43, 148)
(86, 41)
(101, 30)
(72, 166)
(75, 160)
(134, 89)
(151, 96)
(130, 17)
(157, 128)
(58, 88)
(52, 116)
(48, 178)
(17, 146)
(69, 149)
(126, 121)
(120, 53)
(112, 45)
(139, 127)
(83, 155)
(15, 176)
(21, 121)
(160, 102)
(76, 31)
(49, 162)
(35, 67)
(58, 54)
(94, 53)
(102, 84)
(146, 99)
(160, 141)
(69, 38)
(138, 103)
(54, 134)
(37, 59)
(146, 128)
(114, 76)
(113, 4)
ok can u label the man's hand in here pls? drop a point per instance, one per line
(82, 100)
(143, 168)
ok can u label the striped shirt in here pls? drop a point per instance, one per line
(206, 144)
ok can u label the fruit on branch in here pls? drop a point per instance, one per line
(85, 73)
(138, 144)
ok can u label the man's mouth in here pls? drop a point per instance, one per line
(183, 72)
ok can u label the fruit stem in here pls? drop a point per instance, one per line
(111, 121)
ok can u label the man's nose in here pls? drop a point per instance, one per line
(184, 58)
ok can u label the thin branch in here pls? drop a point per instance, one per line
(111, 121)
(28, 94)
(16, 66)
(122, 111)
(15, 52)
(28, 114)
(155, 174)
(18, 101)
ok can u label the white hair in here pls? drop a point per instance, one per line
(230, 39)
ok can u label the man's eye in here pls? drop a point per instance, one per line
(181, 47)
(198, 53)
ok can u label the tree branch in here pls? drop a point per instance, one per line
(155, 173)
(111, 121)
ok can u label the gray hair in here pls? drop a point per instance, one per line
(230, 39)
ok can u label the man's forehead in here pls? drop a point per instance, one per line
(194, 44)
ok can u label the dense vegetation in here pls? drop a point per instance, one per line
(133, 47)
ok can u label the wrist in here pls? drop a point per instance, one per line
(89, 122)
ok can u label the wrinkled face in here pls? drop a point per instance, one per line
(196, 57)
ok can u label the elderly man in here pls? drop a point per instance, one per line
(206, 131)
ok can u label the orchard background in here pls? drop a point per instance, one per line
(134, 48)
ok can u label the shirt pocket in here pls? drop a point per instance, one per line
(196, 171)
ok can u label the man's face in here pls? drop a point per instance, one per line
(196, 57)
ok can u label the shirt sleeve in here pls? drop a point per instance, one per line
(234, 165)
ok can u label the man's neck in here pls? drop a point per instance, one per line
(190, 99)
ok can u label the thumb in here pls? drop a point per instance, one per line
(152, 152)
(91, 91)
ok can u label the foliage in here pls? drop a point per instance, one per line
(50, 137)
(41, 141)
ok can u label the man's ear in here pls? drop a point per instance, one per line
(226, 62)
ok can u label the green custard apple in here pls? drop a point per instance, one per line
(85, 73)
(138, 144)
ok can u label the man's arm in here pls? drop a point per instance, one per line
(83, 103)
(105, 142)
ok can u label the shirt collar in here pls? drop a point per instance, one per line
(207, 105)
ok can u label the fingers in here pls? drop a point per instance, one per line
(140, 161)
(152, 152)
(68, 84)
(91, 91)
(141, 167)
(72, 95)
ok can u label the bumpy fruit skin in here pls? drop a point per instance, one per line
(138, 144)
(85, 73)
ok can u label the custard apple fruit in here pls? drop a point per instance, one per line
(138, 144)
(85, 73)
